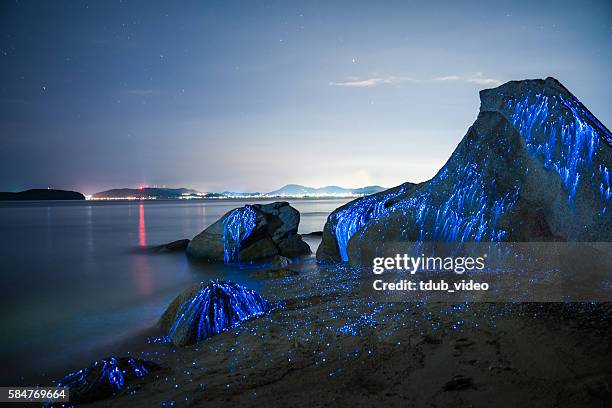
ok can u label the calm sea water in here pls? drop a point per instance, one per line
(75, 285)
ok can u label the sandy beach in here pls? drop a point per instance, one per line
(328, 346)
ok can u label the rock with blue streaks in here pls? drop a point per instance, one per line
(105, 378)
(210, 308)
(250, 233)
(534, 166)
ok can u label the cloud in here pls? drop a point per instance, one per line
(485, 81)
(354, 82)
(478, 78)
(447, 78)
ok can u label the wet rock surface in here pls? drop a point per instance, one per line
(534, 166)
(207, 309)
(252, 232)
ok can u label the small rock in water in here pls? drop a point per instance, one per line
(174, 246)
(280, 262)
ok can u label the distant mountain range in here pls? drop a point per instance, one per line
(288, 191)
(296, 190)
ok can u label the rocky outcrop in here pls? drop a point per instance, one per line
(249, 233)
(105, 378)
(534, 166)
(351, 217)
(208, 309)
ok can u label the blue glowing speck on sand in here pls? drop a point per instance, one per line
(567, 142)
(217, 307)
(237, 226)
(104, 378)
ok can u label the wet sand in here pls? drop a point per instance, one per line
(328, 346)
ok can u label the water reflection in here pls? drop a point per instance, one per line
(102, 289)
(142, 268)
(142, 230)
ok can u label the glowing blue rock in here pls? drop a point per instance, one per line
(105, 378)
(250, 233)
(237, 226)
(351, 217)
(209, 309)
(533, 166)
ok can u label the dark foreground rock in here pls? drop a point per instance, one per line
(208, 309)
(105, 378)
(534, 166)
(250, 233)
(174, 246)
(41, 194)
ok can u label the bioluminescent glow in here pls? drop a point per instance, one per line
(458, 204)
(468, 211)
(215, 308)
(104, 378)
(463, 201)
(566, 141)
(356, 215)
(237, 226)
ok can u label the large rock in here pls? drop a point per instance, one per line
(251, 232)
(208, 309)
(534, 166)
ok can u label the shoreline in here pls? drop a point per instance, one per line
(356, 351)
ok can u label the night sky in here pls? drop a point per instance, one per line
(252, 95)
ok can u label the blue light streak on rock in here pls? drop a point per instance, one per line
(469, 211)
(104, 378)
(458, 205)
(237, 226)
(217, 307)
(564, 134)
(354, 217)
(604, 186)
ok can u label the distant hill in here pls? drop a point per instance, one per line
(238, 194)
(290, 190)
(296, 190)
(145, 192)
(42, 194)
